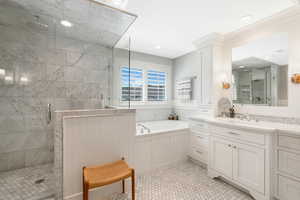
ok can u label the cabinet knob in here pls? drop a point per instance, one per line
(234, 147)
(229, 145)
(233, 133)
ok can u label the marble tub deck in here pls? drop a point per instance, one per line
(21, 184)
(186, 181)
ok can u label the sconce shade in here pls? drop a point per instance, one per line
(226, 85)
(296, 78)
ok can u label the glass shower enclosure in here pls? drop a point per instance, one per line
(54, 55)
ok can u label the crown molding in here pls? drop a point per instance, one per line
(209, 40)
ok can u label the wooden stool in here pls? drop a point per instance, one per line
(97, 176)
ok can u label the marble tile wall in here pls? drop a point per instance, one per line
(152, 114)
(37, 68)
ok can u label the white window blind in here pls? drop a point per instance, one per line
(156, 85)
(135, 76)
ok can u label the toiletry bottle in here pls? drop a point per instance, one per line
(232, 112)
(176, 117)
(173, 116)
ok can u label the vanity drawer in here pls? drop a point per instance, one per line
(199, 154)
(239, 134)
(289, 142)
(288, 189)
(200, 141)
(289, 163)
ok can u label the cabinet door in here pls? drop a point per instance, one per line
(288, 189)
(249, 166)
(206, 75)
(221, 156)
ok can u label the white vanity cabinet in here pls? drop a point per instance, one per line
(241, 157)
(199, 141)
(287, 166)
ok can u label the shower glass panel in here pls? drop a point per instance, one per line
(54, 55)
(122, 73)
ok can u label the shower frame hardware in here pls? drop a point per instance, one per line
(49, 113)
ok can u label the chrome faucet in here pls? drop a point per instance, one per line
(144, 127)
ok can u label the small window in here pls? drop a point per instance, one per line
(136, 84)
(156, 85)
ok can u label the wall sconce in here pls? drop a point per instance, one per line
(225, 82)
(225, 85)
(296, 78)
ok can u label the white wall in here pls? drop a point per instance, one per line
(144, 112)
(187, 66)
(287, 21)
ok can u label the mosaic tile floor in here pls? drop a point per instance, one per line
(27, 183)
(186, 181)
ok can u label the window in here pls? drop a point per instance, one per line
(156, 85)
(146, 85)
(136, 84)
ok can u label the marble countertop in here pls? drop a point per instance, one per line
(263, 126)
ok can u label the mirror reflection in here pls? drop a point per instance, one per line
(260, 72)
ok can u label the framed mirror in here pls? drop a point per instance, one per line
(260, 72)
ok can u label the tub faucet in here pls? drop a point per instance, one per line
(144, 127)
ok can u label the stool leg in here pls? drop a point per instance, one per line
(123, 186)
(133, 185)
(85, 192)
(83, 186)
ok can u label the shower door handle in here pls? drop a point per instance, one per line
(49, 114)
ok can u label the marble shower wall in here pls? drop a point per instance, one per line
(38, 67)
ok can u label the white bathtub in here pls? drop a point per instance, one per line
(154, 127)
(166, 143)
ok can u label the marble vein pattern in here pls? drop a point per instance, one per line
(184, 181)
(43, 67)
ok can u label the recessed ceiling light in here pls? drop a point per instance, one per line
(24, 79)
(241, 67)
(247, 19)
(8, 78)
(279, 51)
(66, 23)
(2, 72)
(295, 1)
(157, 47)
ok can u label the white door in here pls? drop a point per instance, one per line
(249, 166)
(221, 155)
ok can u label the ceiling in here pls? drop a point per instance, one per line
(174, 25)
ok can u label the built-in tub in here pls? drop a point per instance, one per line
(155, 127)
(166, 143)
